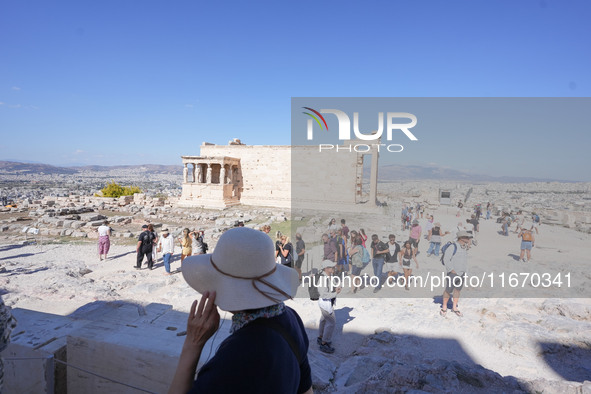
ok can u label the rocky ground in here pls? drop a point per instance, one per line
(394, 343)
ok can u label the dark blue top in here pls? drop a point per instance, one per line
(257, 359)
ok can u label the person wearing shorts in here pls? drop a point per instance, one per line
(393, 252)
(407, 253)
(455, 282)
(455, 259)
(527, 242)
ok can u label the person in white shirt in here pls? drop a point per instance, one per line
(166, 247)
(104, 242)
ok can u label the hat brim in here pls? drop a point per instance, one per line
(234, 294)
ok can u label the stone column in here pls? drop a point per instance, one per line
(223, 175)
(208, 176)
(199, 175)
(193, 173)
(185, 173)
(373, 180)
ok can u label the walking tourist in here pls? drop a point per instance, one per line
(378, 251)
(186, 244)
(326, 303)
(300, 253)
(434, 237)
(286, 251)
(455, 259)
(527, 243)
(415, 234)
(104, 241)
(407, 254)
(356, 253)
(392, 256)
(144, 247)
(166, 247)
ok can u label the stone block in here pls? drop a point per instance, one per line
(79, 234)
(41, 337)
(77, 224)
(141, 356)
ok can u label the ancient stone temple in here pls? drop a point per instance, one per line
(212, 181)
(278, 176)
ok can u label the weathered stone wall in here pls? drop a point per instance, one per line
(269, 177)
(265, 172)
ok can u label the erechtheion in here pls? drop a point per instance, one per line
(277, 176)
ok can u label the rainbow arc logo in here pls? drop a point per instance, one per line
(315, 118)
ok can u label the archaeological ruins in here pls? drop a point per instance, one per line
(278, 176)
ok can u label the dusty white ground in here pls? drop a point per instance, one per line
(545, 341)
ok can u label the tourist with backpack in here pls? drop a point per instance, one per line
(357, 252)
(326, 303)
(455, 260)
(144, 247)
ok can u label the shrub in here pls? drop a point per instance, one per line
(113, 189)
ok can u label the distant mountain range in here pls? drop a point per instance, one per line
(393, 173)
(12, 167)
(388, 173)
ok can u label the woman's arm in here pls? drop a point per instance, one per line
(200, 327)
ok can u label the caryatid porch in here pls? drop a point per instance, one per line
(213, 182)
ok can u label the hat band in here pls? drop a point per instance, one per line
(254, 280)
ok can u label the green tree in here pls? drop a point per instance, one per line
(114, 189)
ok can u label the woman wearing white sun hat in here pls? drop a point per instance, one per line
(267, 350)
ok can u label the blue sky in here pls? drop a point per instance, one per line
(131, 82)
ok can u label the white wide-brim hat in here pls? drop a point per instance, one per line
(242, 271)
(328, 264)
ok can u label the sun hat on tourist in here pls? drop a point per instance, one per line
(437, 224)
(242, 271)
(415, 221)
(165, 231)
(328, 264)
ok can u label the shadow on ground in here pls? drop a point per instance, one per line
(383, 362)
(571, 362)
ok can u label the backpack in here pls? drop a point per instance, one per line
(148, 239)
(365, 258)
(312, 289)
(204, 247)
(444, 248)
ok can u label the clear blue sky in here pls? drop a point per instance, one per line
(131, 82)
